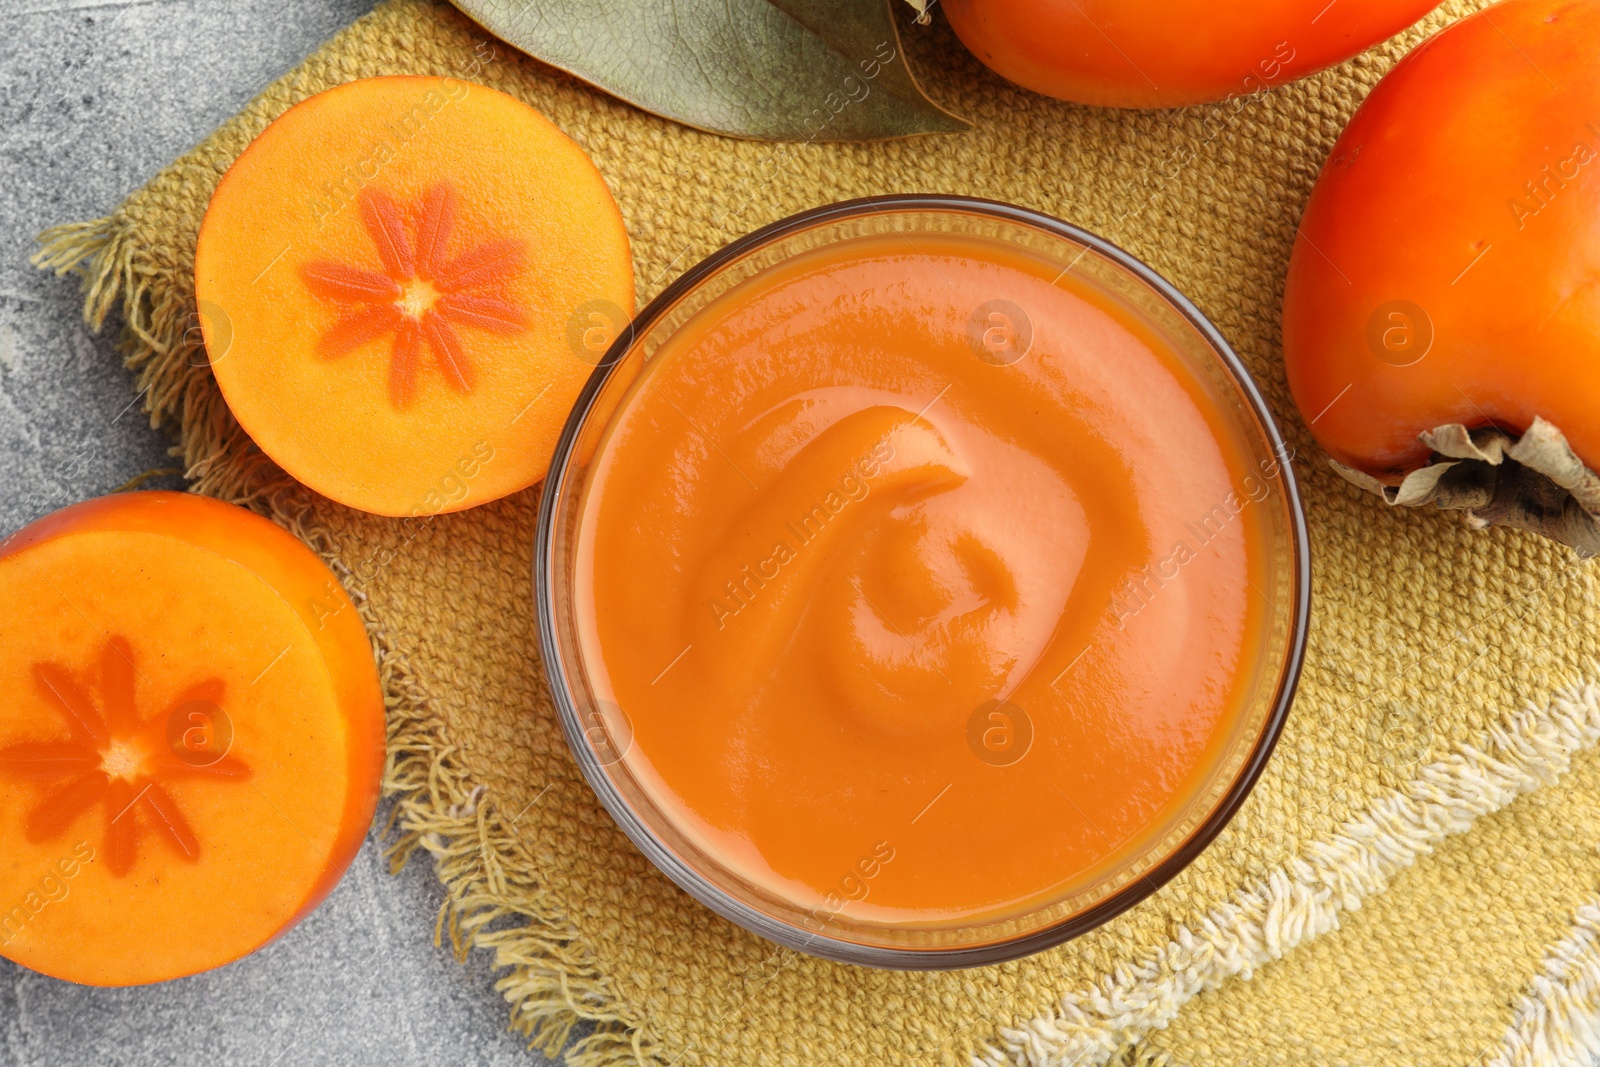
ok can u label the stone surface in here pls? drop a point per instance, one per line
(94, 99)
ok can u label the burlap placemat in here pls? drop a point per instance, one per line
(1450, 672)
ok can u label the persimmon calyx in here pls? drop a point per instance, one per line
(1534, 482)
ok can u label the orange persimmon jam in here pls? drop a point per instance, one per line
(921, 573)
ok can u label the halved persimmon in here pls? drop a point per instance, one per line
(401, 281)
(191, 743)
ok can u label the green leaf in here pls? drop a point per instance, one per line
(778, 70)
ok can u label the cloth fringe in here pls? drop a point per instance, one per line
(1305, 897)
(1557, 1021)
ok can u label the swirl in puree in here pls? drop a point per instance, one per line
(910, 620)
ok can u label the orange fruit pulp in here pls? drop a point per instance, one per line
(905, 624)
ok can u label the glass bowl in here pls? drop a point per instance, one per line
(600, 733)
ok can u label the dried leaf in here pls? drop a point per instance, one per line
(777, 70)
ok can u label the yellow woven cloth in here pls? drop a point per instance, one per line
(1450, 672)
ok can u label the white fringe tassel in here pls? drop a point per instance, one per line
(1557, 1022)
(1304, 897)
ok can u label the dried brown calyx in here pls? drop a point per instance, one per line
(1533, 482)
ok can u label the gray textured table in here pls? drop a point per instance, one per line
(94, 99)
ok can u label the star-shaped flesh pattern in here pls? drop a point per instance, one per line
(112, 759)
(421, 295)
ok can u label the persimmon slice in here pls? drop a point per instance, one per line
(390, 273)
(191, 742)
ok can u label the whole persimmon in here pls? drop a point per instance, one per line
(1170, 53)
(1441, 319)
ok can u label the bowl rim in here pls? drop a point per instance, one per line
(843, 950)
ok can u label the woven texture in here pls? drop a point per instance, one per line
(1422, 829)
